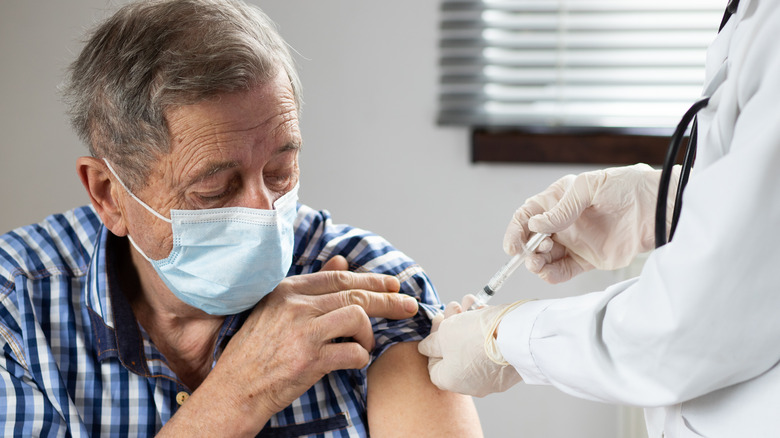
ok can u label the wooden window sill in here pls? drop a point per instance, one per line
(581, 148)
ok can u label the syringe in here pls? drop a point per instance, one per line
(495, 283)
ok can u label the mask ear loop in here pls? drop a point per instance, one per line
(143, 204)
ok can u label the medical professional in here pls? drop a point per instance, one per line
(695, 338)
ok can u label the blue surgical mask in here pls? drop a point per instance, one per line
(225, 260)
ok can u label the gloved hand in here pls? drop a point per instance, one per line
(452, 308)
(462, 352)
(599, 219)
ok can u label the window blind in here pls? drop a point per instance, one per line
(633, 64)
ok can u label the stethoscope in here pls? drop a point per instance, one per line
(687, 164)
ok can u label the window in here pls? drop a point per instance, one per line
(603, 72)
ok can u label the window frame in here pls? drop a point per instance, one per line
(606, 147)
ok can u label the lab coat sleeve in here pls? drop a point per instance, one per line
(705, 312)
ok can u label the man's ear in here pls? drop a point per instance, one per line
(103, 192)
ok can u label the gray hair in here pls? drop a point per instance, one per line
(154, 55)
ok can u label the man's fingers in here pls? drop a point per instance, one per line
(345, 356)
(375, 304)
(326, 282)
(348, 322)
(390, 305)
(336, 263)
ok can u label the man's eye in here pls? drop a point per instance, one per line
(215, 195)
(279, 181)
(212, 197)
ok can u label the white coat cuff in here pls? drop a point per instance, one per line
(514, 340)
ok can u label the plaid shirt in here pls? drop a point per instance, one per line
(77, 363)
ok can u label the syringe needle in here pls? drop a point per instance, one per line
(498, 279)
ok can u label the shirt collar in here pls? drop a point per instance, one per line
(115, 327)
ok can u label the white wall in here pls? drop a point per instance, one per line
(373, 156)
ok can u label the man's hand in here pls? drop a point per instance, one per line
(285, 346)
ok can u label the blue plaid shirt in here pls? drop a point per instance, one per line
(77, 363)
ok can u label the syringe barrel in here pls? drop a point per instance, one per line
(505, 271)
(498, 279)
(481, 298)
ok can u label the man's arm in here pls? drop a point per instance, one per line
(403, 402)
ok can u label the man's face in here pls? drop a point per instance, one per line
(235, 150)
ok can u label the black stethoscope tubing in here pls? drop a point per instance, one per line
(687, 164)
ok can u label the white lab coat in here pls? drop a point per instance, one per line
(696, 337)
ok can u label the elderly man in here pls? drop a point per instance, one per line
(196, 296)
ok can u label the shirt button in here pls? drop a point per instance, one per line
(182, 397)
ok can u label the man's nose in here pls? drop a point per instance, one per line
(258, 196)
(260, 201)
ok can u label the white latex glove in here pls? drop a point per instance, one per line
(601, 219)
(452, 308)
(462, 352)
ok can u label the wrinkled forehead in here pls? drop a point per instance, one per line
(249, 127)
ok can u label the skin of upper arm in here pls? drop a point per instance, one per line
(402, 401)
